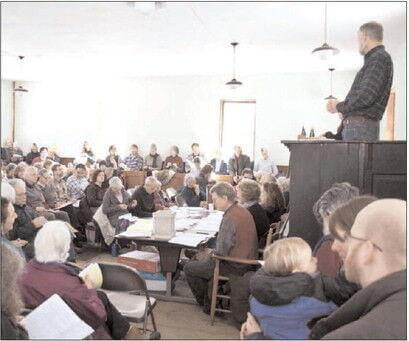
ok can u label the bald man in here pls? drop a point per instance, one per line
(375, 260)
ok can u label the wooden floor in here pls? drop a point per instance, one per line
(175, 320)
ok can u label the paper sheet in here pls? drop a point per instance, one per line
(141, 228)
(54, 320)
(188, 239)
(128, 217)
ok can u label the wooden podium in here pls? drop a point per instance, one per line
(377, 168)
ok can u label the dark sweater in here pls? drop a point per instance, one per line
(260, 219)
(273, 214)
(191, 198)
(146, 203)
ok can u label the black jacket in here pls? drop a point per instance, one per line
(260, 219)
(191, 198)
(375, 312)
(146, 204)
(236, 166)
(23, 228)
(31, 156)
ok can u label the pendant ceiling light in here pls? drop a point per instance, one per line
(234, 83)
(19, 89)
(325, 51)
(330, 96)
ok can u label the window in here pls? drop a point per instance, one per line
(237, 126)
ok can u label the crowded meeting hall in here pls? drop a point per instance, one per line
(203, 170)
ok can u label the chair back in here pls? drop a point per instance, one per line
(118, 277)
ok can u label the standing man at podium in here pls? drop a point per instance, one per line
(366, 101)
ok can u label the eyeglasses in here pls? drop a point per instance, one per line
(362, 240)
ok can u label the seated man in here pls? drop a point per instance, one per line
(191, 157)
(191, 194)
(144, 197)
(35, 197)
(43, 156)
(77, 183)
(134, 161)
(238, 163)
(265, 164)
(237, 238)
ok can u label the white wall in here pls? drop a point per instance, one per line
(172, 110)
(6, 109)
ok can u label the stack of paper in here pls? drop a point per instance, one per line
(189, 239)
(142, 228)
(210, 224)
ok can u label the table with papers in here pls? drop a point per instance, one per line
(194, 226)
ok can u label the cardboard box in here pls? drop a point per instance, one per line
(141, 261)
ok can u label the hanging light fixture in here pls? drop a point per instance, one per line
(331, 69)
(19, 89)
(234, 83)
(325, 51)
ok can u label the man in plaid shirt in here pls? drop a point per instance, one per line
(365, 103)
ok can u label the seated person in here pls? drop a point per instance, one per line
(284, 184)
(10, 169)
(48, 165)
(113, 160)
(286, 292)
(77, 183)
(102, 165)
(48, 274)
(20, 170)
(161, 202)
(262, 177)
(87, 155)
(190, 192)
(174, 161)
(94, 196)
(116, 201)
(35, 197)
(59, 184)
(237, 238)
(265, 164)
(203, 180)
(271, 199)
(68, 170)
(237, 163)
(164, 177)
(328, 261)
(53, 155)
(218, 164)
(44, 182)
(196, 167)
(191, 157)
(248, 195)
(43, 156)
(153, 160)
(33, 154)
(15, 154)
(144, 196)
(134, 161)
(12, 266)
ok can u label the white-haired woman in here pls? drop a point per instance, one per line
(116, 201)
(48, 274)
(144, 197)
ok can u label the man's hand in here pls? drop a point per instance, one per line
(249, 327)
(332, 106)
(39, 222)
(19, 242)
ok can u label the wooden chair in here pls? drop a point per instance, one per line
(133, 178)
(217, 278)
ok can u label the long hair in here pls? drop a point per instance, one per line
(275, 197)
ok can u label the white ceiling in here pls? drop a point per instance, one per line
(111, 39)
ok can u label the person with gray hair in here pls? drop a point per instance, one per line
(49, 274)
(328, 261)
(144, 196)
(237, 238)
(190, 193)
(116, 201)
(365, 104)
(7, 191)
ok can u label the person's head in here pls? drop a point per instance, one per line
(264, 153)
(206, 171)
(289, 255)
(153, 149)
(134, 149)
(115, 184)
(44, 177)
(102, 165)
(151, 184)
(339, 194)
(98, 177)
(247, 173)
(223, 195)
(34, 148)
(237, 151)
(174, 151)
(283, 183)
(12, 265)
(263, 177)
(340, 222)
(377, 242)
(112, 150)
(31, 175)
(271, 196)
(43, 153)
(19, 171)
(52, 242)
(10, 169)
(20, 190)
(81, 171)
(370, 35)
(248, 191)
(195, 148)
(190, 181)
(48, 164)
(109, 172)
(58, 171)
(8, 215)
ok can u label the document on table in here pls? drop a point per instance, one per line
(184, 223)
(141, 228)
(53, 320)
(189, 239)
(210, 224)
(128, 217)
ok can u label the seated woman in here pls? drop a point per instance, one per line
(94, 195)
(48, 274)
(144, 197)
(204, 178)
(33, 154)
(272, 201)
(12, 265)
(113, 160)
(248, 195)
(287, 291)
(190, 193)
(116, 201)
(153, 160)
(174, 161)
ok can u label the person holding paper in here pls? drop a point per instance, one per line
(48, 274)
